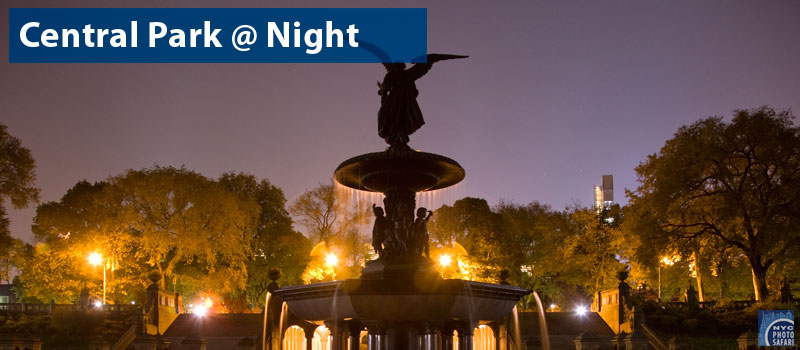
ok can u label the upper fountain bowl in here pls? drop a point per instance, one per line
(406, 169)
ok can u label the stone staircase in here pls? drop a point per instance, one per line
(563, 328)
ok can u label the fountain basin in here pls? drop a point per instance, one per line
(406, 169)
(398, 300)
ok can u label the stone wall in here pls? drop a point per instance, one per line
(615, 307)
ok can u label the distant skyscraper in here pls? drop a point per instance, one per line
(604, 194)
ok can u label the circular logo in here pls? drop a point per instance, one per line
(780, 333)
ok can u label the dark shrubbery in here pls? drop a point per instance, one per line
(78, 323)
(721, 320)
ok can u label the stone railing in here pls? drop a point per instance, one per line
(48, 309)
(655, 341)
(126, 339)
(734, 304)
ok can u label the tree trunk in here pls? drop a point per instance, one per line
(760, 281)
(598, 283)
(699, 288)
(699, 277)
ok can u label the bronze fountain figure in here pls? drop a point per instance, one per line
(399, 115)
(400, 298)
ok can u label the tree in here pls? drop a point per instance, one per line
(186, 226)
(530, 238)
(325, 214)
(48, 273)
(189, 228)
(525, 232)
(592, 248)
(17, 176)
(471, 223)
(731, 185)
(68, 231)
(12, 246)
(335, 225)
(275, 244)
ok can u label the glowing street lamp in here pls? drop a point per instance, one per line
(581, 310)
(331, 259)
(444, 260)
(200, 310)
(97, 259)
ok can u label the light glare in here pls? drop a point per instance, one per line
(444, 260)
(581, 310)
(95, 258)
(331, 259)
(200, 311)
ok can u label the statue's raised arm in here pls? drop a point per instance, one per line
(400, 115)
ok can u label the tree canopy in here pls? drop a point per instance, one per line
(198, 233)
(726, 186)
(275, 244)
(17, 177)
(336, 224)
(564, 255)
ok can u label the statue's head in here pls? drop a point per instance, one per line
(421, 212)
(377, 210)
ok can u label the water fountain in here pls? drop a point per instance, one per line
(400, 298)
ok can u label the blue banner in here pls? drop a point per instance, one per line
(205, 35)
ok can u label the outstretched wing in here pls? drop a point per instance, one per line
(383, 56)
(419, 69)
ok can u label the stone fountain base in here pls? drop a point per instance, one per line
(400, 299)
(416, 267)
(417, 298)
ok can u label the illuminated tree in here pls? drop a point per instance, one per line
(324, 213)
(186, 226)
(735, 186)
(592, 247)
(332, 221)
(189, 228)
(275, 244)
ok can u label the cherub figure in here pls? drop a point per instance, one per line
(379, 230)
(421, 231)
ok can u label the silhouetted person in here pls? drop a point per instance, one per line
(421, 231)
(379, 230)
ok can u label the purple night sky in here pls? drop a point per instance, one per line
(554, 95)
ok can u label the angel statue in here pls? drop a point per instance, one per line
(399, 115)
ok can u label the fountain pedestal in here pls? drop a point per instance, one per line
(400, 298)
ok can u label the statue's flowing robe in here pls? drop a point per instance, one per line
(399, 115)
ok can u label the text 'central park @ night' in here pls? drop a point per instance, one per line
(214, 35)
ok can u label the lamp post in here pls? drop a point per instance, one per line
(97, 259)
(444, 260)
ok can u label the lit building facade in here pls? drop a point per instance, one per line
(604, 194)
